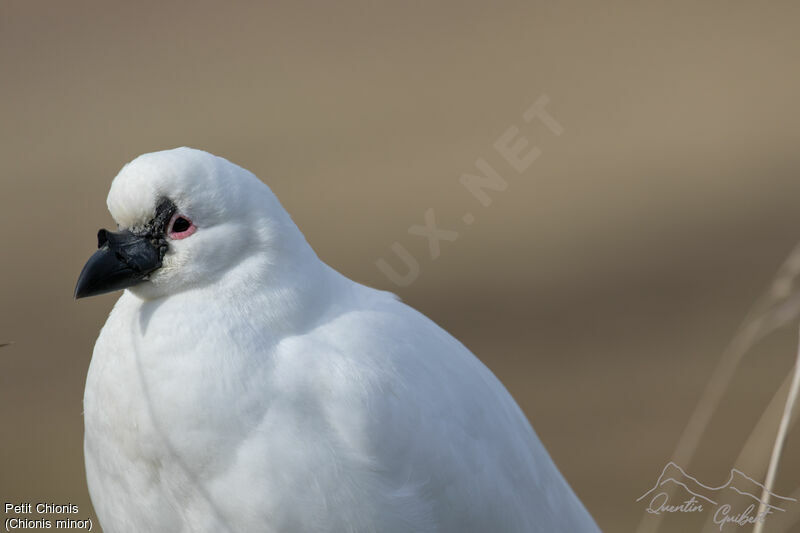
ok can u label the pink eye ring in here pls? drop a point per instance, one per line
(180, 227)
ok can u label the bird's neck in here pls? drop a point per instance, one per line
(288, 296)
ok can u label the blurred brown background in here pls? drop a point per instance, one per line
(601, 287)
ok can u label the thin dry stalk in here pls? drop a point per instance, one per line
(777, 307)
(780, 439)
(754, 456)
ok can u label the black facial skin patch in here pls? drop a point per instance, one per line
(155, 230)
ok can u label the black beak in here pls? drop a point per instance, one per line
(122, 260)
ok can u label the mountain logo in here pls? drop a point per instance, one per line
(697, 497)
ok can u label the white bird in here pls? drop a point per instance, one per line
(240, 384)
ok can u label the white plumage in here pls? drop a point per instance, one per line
(245, 386)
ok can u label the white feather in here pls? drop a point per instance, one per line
(248, 387)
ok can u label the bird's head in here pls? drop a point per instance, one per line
(185, 218)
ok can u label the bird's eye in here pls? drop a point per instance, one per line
(180, 224)
(180, 227)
